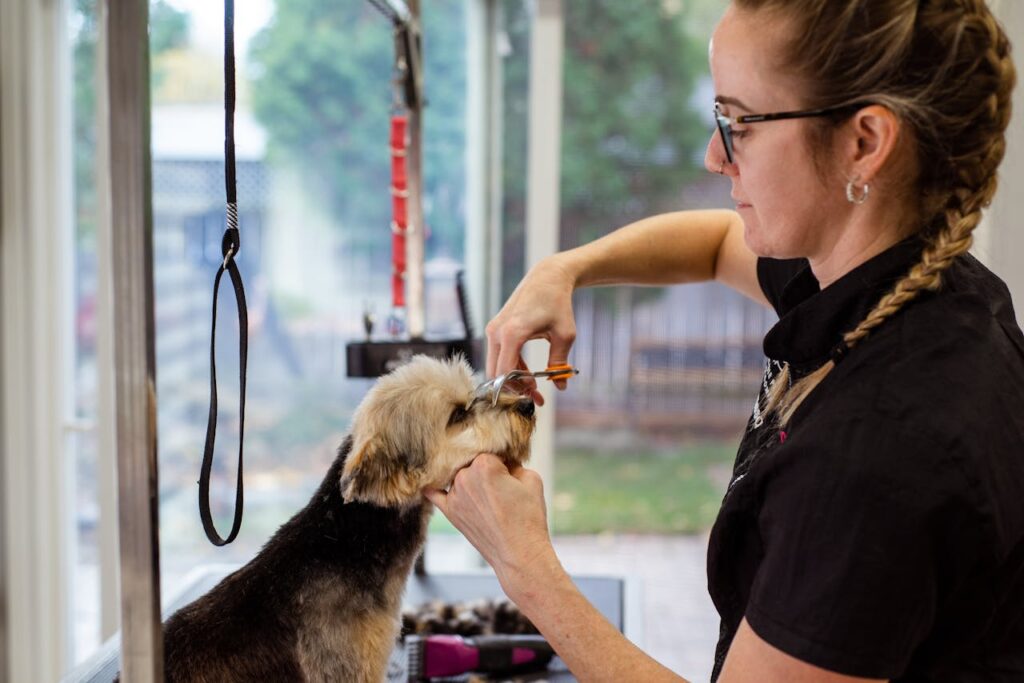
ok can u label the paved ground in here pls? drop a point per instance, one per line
(678, 623)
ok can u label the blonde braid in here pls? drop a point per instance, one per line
(972, 157)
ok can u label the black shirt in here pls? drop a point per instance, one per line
(882, 534)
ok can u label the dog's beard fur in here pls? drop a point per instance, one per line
(321, 601)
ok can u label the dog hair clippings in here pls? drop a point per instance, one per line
(491, 389)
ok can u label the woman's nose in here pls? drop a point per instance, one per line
(714, 156)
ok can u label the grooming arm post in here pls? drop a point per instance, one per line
(414, 243)
(134, 351)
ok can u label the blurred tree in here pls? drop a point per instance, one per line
(83, 106)
(514, 25)
(632, 137)
(633, 134)
(322, 88)
(168, 29)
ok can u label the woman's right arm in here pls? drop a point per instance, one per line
(671, 248)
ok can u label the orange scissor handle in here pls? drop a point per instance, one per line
(563, 371)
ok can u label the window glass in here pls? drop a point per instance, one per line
(648, 431)
(313, 167)
(513, 45)
(81, 441)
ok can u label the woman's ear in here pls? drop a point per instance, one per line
(872, 137)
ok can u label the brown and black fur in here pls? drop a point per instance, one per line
(322, 600)
(349, 560)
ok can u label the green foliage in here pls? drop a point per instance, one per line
(83, 105)
(322, 88)
(515, 23)
(168, 27)
(631, 135)
(678, 492)
(168, 30)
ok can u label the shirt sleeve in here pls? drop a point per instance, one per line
(860, 546)
(774, 274)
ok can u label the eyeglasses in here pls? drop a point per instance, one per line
(725, 123)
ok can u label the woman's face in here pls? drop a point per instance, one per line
(787, 211)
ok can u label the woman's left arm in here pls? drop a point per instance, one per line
(502, 514)
(751, 658)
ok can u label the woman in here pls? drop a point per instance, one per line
(873, 528)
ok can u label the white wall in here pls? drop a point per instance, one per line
(1000, 243)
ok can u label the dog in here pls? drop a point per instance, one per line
(321, 601)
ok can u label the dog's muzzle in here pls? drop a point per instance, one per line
(525, 407)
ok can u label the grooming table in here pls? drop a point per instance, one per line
(610, 595)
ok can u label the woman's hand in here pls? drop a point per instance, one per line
(502, 514)
(539, 308)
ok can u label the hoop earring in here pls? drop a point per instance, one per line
(852, 197)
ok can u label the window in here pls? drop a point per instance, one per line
(82, 441)
(668, 375)
(311, 128)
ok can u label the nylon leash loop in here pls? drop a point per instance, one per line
(231, 244)
(211, 425)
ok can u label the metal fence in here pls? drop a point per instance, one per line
(680, 360)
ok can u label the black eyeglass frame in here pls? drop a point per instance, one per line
(725, 122)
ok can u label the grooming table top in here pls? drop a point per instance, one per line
(607, 594)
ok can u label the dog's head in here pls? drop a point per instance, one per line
(421, 424)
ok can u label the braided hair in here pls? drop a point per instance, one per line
(944, 68)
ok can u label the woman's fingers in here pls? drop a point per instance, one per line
(530, 478)
(501, 512)
(539, 308)
(493, 346)
(438, 498)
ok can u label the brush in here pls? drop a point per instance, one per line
(438, 656)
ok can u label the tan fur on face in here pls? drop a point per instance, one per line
(404, 438)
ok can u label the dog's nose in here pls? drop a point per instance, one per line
(525, 408)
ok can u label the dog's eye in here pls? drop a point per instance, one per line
(459, 414)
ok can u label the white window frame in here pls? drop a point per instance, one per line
(484, 170)
(1000, 242)
(35, 314)
(38, 423)
(543, 194)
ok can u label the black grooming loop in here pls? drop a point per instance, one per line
(230, 246)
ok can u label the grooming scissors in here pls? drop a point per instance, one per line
(492, 388)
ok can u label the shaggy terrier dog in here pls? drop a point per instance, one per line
(322, 600)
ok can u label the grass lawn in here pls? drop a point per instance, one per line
(663, 493)
(659, 493)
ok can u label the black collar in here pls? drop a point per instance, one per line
(813, 321)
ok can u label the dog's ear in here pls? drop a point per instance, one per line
(376, 473)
